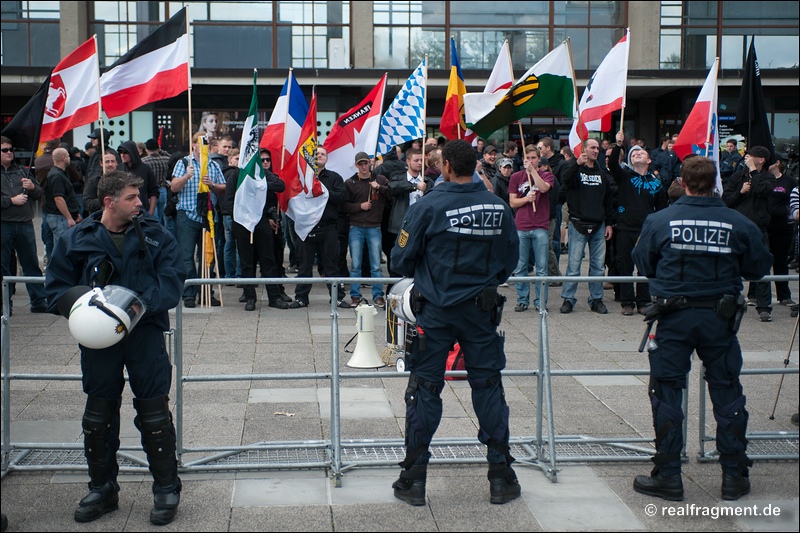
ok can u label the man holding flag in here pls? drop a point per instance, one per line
(186, 178)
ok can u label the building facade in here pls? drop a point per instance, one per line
(344, 47)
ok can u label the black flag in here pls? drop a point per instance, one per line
(751, 115)
(24, 128)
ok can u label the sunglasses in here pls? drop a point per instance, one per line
(6, 150)
(267, 159)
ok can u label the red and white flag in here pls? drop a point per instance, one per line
(282, 134)
(73, 99)
(356, 130)
(700, 132)
(604, 94)
(155, 69)
(305, 196)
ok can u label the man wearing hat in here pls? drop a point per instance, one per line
(487, 168)
(365, 198)
(501, 180)
(748, 191)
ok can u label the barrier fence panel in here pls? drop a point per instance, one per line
(542, 450)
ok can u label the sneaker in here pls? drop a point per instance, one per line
(297, 304)
(98, 502)
(793, 312)
(279, 304)
(250, 305)
(503, 484)
(751, 302)
(666, 487)
(39, 309)
(356, 301)
(292, 269)
(627, 310)
(765, 316)
(215, 302)
(343, 304)
(504, 285)
(599, 307)
(787, 302)
(242, 299)
(566, 307)
(556, 283)
(189, 303)
(564, 248)
(521, 308)
(285, 297)
(380, 301)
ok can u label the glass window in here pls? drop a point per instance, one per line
(428, 41)
(241, 11)
(507, 14)
(30, 34)
(786, 126)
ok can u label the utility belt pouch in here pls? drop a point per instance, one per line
(497, 310)
(584, 227)
(741, 308)
(487, 298)
(671, 304)
(726, 307)
(417, 301)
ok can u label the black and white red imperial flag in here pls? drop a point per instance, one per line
(155, 69)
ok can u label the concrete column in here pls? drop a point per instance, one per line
(645, 20)
(74, 25)
(363, 34)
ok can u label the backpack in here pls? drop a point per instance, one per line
(455, 361)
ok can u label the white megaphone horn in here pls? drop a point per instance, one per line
(366, 354)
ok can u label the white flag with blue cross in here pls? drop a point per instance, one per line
(405, 119)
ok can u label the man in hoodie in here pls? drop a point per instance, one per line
(588, 196)
(131, 162)
(639, 193)
(95, 165)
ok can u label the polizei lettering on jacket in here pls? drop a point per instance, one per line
(701, 235)
(480, 219)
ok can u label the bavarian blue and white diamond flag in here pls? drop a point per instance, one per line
(405, 119)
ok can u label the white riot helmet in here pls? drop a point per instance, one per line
(401, 300)
(101, 318)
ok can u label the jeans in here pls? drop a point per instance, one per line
(597, 257)
(58, 225)
(532, 242)
(21, 237)
(47, 238)
(161, 204)
(231, 257)
(188, 234)
(373, 238)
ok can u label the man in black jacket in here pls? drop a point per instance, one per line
(323, 239)
(748, 191)
(131, 162)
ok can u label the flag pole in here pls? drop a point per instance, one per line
(519, 122)
(711, 109)
(189, 91)
(100, 112)
(425, 118)
(751, 72)
(575, 94)
(286, 117)
(625, 88)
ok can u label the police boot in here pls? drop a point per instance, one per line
(665, 487)
(154, 421)
(98, 419)
(410, 487)
(734, 487)
(503, 484)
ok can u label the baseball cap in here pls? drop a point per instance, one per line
(760, 151)
(544, 162)
(96, 134)
(489, 149)
(505, 162)
(362, 156)
(151, 144)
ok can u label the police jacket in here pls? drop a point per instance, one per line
(156, 275)
(755, 204)
(456, 240)
(700, 248)
(587, 191)
(637, 195)
(10, 186)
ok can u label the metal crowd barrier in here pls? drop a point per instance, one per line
(543, 450)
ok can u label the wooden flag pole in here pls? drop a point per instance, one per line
(189, 91)
(216, 271)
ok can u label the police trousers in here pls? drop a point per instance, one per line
(484, 358)
(678, 335)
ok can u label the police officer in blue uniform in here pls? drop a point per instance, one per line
(695, 254)
(458, 243)
(109, 249)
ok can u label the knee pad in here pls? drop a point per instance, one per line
(154, 421)
(97, 416)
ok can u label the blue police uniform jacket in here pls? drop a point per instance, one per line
(455, 241)
(700, 248)
(157, 275)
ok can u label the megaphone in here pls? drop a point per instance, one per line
(366, 354)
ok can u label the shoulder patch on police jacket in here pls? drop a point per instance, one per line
(402, 239)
